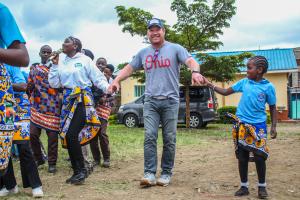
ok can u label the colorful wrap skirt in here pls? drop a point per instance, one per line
(45, 121)
(252, 137)
(7, 116)
(72, 97)
(22, 118)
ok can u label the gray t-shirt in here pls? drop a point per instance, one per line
(161, 68)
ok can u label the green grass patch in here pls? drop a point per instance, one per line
(127, 143)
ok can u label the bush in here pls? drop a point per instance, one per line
(268, 118)
(222, 111)
(232, 109)
(112, 119)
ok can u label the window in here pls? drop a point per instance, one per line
(139, 90)
(200, 94)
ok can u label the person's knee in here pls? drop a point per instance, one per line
(169, 136)
(242, 157)
(150, 137)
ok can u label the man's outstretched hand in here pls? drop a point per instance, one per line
(197, 79)
(114, 87)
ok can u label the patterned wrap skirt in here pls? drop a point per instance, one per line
(70, 101)
(7, 116)
(22, 118)
(252, 137)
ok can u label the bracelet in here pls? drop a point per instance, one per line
(195, 72)
(214, 87)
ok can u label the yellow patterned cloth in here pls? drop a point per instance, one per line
(7, 116)
(70, 101)
(252, 137)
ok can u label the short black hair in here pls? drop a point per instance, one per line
(111, 67)
(77, 42)
(46, 45)
(88, 53)
(260, 61)
(102, 59)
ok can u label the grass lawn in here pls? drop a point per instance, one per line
(198, 175)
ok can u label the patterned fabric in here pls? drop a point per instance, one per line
(103, 106)
(45, 101)
(103, 111)
(252, 137)
(70, 101)
(22, 118)
(7, 114)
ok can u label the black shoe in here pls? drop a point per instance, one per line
(96, 163)
(106, 163)
(262, 193)
(243, 191)
(69, 180)
(78, 179)
(39, 162)
(52, 168)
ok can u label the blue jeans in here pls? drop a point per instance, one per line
(166, 112)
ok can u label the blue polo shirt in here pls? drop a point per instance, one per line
(15, 73)
(9, 31)
(252, 105)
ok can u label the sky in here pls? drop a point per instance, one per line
(258, 24)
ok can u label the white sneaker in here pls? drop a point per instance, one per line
(37, 192)
(148, 180)
(164, 180)
(4, 192)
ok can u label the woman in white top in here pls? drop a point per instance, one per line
(79, 122)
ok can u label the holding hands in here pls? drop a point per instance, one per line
(114, 87)
(197, 79)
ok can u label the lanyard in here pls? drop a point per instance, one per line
(156, 53)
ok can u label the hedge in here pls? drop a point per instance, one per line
(232, 109)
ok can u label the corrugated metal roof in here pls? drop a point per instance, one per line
(279, 59)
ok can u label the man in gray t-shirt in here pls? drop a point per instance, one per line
(162, 71)
(161, 63)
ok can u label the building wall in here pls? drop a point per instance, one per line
(279, 80)
(127, 90)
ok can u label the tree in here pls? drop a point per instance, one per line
(225, 66)
(198, 28)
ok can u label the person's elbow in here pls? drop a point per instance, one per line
(24, 61)
(21, 54)
(24, 57)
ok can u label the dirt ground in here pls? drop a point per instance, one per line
(208, 171)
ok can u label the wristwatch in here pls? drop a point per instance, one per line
(195, 72)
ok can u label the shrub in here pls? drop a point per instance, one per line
(268, 118)
(232, 109)
(112, 119)
(222, 111)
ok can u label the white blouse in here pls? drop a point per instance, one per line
(78, 71)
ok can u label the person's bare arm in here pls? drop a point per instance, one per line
(19, 87)
(219, 90)
(16, 55)
(273, 114)
(197, 78)
(124, 74)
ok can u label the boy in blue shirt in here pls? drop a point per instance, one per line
(257, 91)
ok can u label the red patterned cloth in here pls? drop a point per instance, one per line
(44, 120)
(45, 101)
(103, 111)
